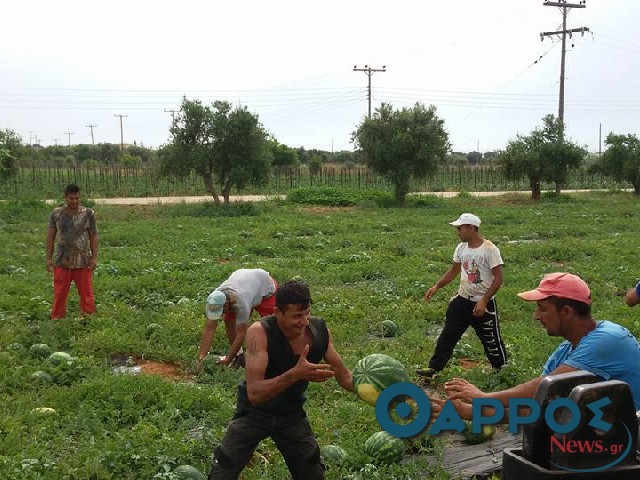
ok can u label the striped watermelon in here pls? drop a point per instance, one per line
(389, 328)
(187, 472)
(40, 350)
(333, 454)
(384, 448)
(375, 372)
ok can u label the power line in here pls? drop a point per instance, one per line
(369, 71)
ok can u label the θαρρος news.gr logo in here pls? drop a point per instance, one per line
(417, 420)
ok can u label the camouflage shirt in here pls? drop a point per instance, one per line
(73, 248)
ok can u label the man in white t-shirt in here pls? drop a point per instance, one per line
(479, 264)
(246, 290)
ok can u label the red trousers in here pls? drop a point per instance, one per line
(62, 278)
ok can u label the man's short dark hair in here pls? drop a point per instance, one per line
(71, 188)
(293, 292)
(582, 309)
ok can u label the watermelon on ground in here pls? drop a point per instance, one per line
(375, 372)
(389, 328)
(40, 350)
(58, 358)
(333, 454)
(41, 377)
(484, 436)
(187, 472)
(384, 448)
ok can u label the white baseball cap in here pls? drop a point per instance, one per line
(466, 219)
(215, 305)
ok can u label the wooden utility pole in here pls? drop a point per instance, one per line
(91, 127)
(121, 134)
(564, 6)
(173, 114)
(369, 71)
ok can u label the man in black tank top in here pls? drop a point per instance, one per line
(283, 354)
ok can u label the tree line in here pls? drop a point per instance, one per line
(228, 147)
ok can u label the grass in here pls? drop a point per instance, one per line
(364, 264)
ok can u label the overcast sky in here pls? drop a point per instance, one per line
(68, 64)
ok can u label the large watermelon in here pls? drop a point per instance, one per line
(375, 372)
(333, 454)
(485, 435)
(187, 472)
(384, 448)
(40, 350)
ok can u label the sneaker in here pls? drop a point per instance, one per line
(426, 373)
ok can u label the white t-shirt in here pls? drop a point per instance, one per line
(476, 264)
(251, 286)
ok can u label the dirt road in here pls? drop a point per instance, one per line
(259, 198)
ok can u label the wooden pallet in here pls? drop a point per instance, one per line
(469, 462)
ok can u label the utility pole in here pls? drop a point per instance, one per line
(600, 141)
(173, 114)
(55, 142)
(121, 135)
(369, 71)
(91, 127)
(68, 134)
(564, 6)
(31, 133)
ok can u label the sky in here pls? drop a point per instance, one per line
(69, 64)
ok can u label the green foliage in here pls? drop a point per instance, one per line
(329, 196)
(10, 150)
(621, 159)
(403, 144)
(544, 155)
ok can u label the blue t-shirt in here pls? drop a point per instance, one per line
(609, 351)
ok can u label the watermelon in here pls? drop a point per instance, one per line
(484, 436)
(58, 358)
(375, 372)
(384, 448)
(41, 377)
(389, 329)
(333, 454)
(44, 410)
(187, 472)
(16, 347)
(40, 350)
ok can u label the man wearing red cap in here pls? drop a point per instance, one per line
(479, 264)
(603, 348)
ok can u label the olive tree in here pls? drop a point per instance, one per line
(543, 156)
(227, 147)
(621, 159)
(403, 144)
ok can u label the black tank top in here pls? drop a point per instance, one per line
(281, 359)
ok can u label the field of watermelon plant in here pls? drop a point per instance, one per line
(83, 418)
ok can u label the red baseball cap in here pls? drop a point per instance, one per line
(562, 285)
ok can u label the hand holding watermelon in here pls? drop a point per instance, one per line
(311, 372)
